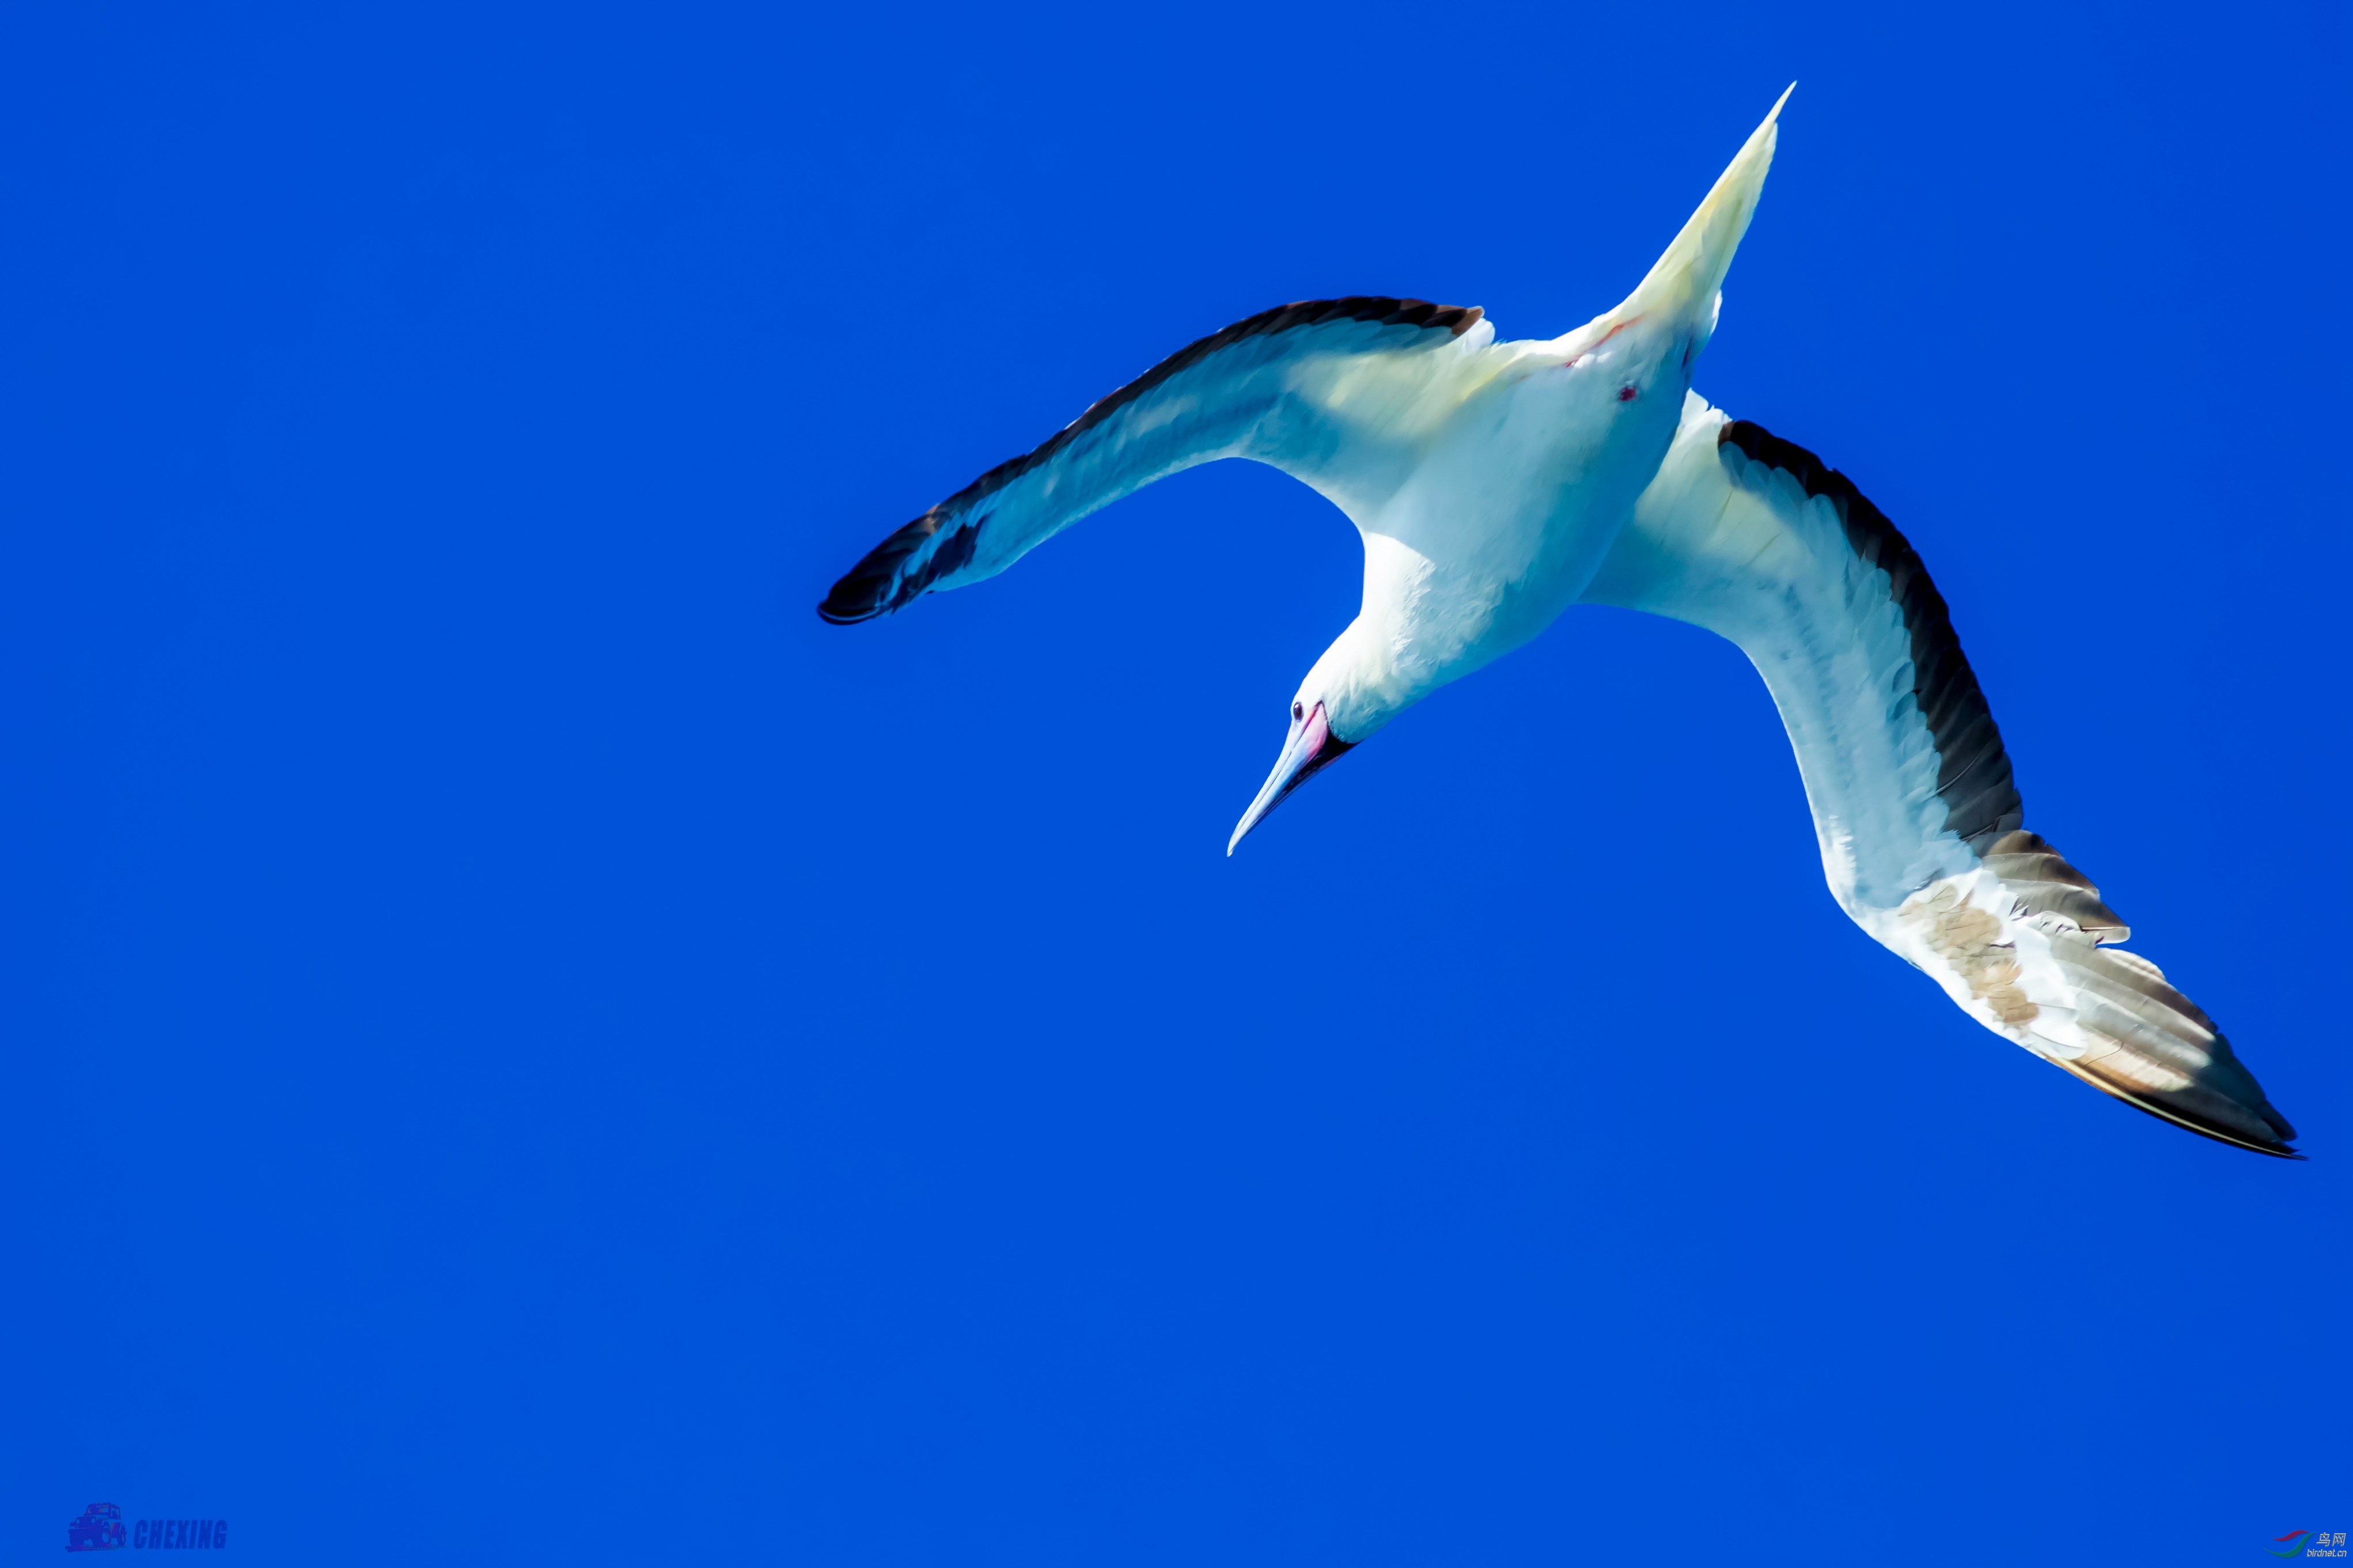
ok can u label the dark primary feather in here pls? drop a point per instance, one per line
(1973, 775)
(884, 581)
(2153, 1029)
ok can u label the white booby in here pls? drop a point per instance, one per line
(1496, 484)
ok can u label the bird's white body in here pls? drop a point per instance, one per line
(1490, 479)
(1493, 524)
(1497, 484)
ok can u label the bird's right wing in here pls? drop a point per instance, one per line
(1330, 392)
(1920, 826)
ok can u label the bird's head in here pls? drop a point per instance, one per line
(1352, 691)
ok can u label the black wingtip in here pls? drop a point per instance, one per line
(2279, 1149)
(884, 582)
(837, 612)
(864, 591)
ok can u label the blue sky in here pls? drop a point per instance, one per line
(525, 1043)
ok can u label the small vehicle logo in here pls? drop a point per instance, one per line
(99, 1528)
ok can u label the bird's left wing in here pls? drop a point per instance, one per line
(1921, 830)
(1328, 391)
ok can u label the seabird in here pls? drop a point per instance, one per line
(1496, 484)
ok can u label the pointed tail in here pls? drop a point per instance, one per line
(1686, 280)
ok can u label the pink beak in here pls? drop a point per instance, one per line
(1310, 747)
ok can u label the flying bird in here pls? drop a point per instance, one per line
(1496, 484)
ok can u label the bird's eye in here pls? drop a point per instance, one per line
(1297, 713)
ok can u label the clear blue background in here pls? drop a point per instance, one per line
(523, 1044)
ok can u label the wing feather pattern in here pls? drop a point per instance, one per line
(1269, 388)
(1918, 817)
